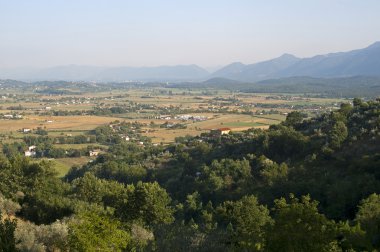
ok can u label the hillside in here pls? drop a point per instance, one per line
(317, 179)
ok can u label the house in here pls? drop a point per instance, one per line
(93, 153)
(29, 153)
(220, 131)
(26, 130)
(32, 148)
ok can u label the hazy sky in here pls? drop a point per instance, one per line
(44, 33)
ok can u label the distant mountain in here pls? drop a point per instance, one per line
(365, 62)
(93, 73)
(362, 62)
(233, 69)
(258, 71)
(358, 62)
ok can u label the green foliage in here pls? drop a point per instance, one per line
(7, 236)
(338, 134)
(353, 238)
(248, 221)
(177, 237)
(223, 177)
(94, 190)
(147, 203)
(368, 217)
(270, 171)
(293, 118)
(298, 226)
(91, 231)
(47, 203)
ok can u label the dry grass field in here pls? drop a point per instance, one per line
(62, 123)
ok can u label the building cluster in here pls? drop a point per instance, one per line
(10, 116)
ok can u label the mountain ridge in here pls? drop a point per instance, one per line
(364, 62)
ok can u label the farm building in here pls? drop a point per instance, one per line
(93, 153)
(221, 131)
(26, 130)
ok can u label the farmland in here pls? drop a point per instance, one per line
(68, 116)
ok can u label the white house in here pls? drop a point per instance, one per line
(26, 130)
(31, 152)
(93, 153)
(32, 148)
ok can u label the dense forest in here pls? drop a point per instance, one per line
(303, 185)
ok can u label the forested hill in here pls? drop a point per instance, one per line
(304, 185)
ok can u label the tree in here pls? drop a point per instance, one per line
(248, 219)
(272, 172)
(369, 218)
(299, 227)
(91, 231)
(224, 178)
(7, 235)
(293, 118)
(146, 202)
(338, 134)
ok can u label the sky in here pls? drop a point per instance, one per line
(209, 33)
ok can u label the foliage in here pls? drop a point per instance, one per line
(368, 217)
(91, 231)
(298, 226)
(248, 220)
(7, 236)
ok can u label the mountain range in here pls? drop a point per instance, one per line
(363, 62)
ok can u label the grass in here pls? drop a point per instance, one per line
(63, 123)
(63, 165)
